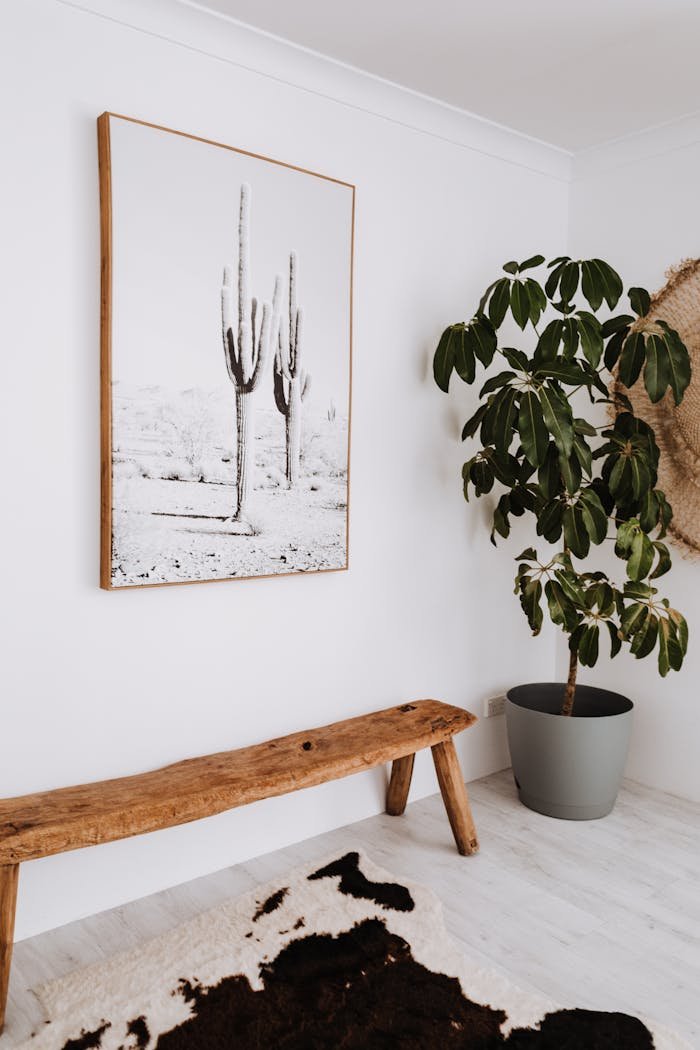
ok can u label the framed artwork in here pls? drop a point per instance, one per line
(226, 361)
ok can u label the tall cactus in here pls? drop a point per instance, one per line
(291, 381)
(247, 340)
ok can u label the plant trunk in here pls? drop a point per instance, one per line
(293, 432)
(568, 705)
(244, 453)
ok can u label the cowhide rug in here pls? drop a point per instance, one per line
(337, 955)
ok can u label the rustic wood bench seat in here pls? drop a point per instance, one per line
(48, 822)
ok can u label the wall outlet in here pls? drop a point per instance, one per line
(494, 705)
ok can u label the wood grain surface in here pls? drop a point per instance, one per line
(399, 784)
(9, 875)
(68, 818)
(454, 795)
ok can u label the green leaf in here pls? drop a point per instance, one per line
(656, 371)
(592, 285)
(500, 419)
(525, 471)
(464, 362)
(645, 638)
(583, 455)
(665, 511)
(466, 476)
(664, 661)
(473, 423)
(501, 524)
(534, 260)
(633, 618)
(484, 340)
(444, 359)
(549, 473)
(664, 562)
(538, 300)
(569, 281)
(500, 300)
(558, 418)
(484, 298)
(575, 638)
(640, 301)
(614, 325)
(620, 482)
(632, 358)
(561, 611)
(604, 495)
(626, 531)
(529, 554)
(594, 517)
(570, 470)
(555, 276)
(548, 343)
(640, 476)
(569, 372)
(591, 337)
(641, 591)
(611, 282)
(532, 429)
(519, 304)
(604, 598)
(505, 467)
(675, 654)
(516, 358)
(649, 511)
(641, 557)
(521, 499)
(588, 646)
(530, 601)
(481, 475)
(571, 587)
(582, 426)
(495, 382)
(575, 535)
(549, 520)
(681, 628)
(615, 640)
(511, 267)
(570, 337)
(678, 362)
(612, 350)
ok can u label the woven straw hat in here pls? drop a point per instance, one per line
(678, 428)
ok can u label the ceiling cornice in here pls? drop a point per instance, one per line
(191, 26)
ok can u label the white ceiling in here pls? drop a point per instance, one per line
(574, 73)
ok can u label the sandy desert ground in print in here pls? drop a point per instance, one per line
(175, 490)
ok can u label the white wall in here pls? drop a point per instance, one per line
(635, 203)
(103, 684)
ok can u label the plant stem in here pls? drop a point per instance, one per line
(568, 705)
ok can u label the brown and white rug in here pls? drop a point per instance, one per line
(337, 955)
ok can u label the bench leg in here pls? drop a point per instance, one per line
(9, 877)
(397, 792)
(454, 795)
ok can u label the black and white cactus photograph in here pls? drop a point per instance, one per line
(226, 384)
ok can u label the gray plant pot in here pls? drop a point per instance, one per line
(568, 767)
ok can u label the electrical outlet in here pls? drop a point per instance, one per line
(494, 705)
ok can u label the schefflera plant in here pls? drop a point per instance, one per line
(583, 483)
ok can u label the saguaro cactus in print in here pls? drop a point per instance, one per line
(248, 333)
(291, 381)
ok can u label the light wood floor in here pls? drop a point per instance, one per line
(603, 914)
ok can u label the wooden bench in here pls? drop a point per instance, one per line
(49, 822)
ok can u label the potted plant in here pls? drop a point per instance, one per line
(587, 474)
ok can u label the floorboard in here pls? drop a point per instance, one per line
(602, 914)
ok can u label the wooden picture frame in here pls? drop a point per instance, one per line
(301, 454)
